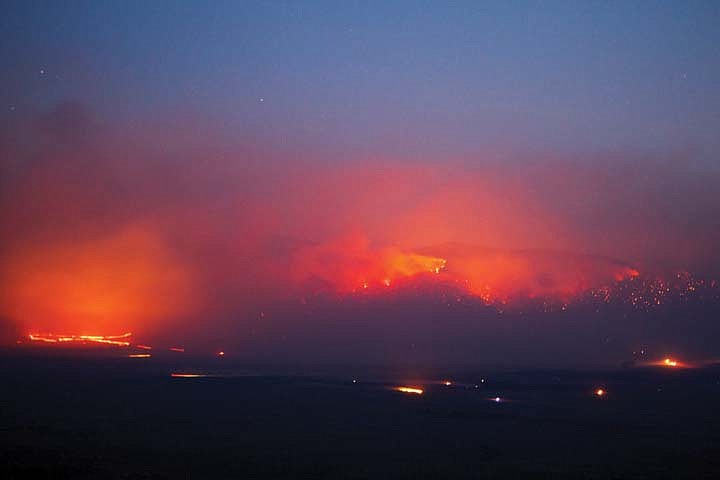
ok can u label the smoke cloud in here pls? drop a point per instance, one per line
(177, 228)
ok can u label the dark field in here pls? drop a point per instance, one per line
(69, 417)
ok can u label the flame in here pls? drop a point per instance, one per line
(413, 390)
(139, 355)
(187, 375)
(349, 265)
(116, 340)
(669, 362)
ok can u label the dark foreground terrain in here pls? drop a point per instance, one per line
(70, 417)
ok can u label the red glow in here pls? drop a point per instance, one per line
(188, 375)
(600, 392)
(352, 264)
(221, 354)
(143, 347)
(124, 280)
(139, 355)
(177, 349)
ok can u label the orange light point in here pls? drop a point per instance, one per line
(413, 390)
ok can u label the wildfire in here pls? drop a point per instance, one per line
(116, 340)
(669, 362)
(352, 264)
(413, 390)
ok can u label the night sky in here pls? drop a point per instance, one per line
(381, 182)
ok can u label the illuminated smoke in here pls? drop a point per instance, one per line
(108, 228)
(352, 264)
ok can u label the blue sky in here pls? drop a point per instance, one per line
(384, 78)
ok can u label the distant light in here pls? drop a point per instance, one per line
(187, 375)
(670, 362)
(447, 383)
(599, 392)
(143, 347)
(386, 282)
(413, 390)
(139, 355)
(482, 380)
(354, 380)
(497, 399)
(221, 354)
(177, 349)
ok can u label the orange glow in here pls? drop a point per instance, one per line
(496, 275)
(116, 340)
(413, 390)
(187, 375)
(143, 347)
(669, 362)
(140, 355)
(599, 392)
(493, 275)
(177, 349)
(351, 264)
(447, 383)
(124, 280)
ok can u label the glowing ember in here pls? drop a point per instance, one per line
(669, 362)
(139, 355)
(177, 349)
(187, 375)
(599, 392)
(416, 391)
(116, 340)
